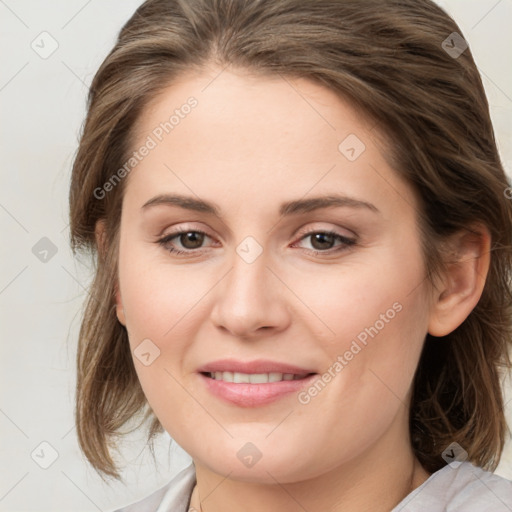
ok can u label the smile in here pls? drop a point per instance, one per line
(253, 383)
(254, 378)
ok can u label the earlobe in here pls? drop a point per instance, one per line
(100, 234)
(119, 306)
(463, 281)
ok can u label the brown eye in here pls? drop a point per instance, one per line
(191, 239)
(184, 241)
(326, 242)
(322, 241)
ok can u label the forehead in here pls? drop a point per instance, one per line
(222, 131)
(261, 103)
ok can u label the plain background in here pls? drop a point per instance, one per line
(42, 104)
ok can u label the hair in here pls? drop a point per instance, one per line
(387, 59)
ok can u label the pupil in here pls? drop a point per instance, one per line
(324, 238)
(195, 238)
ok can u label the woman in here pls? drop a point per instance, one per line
(303, 257)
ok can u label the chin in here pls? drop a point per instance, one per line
(245, 462)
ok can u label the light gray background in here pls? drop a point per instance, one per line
(42, 103)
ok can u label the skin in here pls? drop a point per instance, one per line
(251, 144)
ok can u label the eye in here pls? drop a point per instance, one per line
(190, 240)
(325, 241)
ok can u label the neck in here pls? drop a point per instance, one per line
(376, 481)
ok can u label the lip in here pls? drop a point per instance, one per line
(257, 366)
(253, 395)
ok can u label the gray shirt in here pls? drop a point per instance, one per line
(465, 488)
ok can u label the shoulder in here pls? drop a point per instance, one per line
(174, 496)
(461, 488)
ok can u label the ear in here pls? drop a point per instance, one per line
(119, 306)
(463, 281)
(100, 234)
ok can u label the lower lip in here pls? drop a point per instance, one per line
(254, 395)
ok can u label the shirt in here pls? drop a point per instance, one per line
(459, 487)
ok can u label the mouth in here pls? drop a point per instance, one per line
(254, 383)
(254, 378)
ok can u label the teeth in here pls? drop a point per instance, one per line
(258, 378)
(253, 378)
(239, 378)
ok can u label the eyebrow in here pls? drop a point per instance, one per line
(286, 209)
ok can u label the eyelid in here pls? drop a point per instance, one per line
(345, 243)
(299, 236)
(181, 228)
(334, 230)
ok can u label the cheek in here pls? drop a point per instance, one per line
(379, 319)
(158, 297)
(377, 316)
(167, 304)
(161, 309)
(376, 292)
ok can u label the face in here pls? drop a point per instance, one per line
(265, 237)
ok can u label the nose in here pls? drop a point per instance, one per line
(250, 300)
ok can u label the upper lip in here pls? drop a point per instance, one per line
(257, 366)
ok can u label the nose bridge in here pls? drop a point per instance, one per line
(250, 270)
(249, 297)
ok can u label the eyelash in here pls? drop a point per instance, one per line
(345, 242)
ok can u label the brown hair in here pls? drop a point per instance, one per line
(387, 58)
